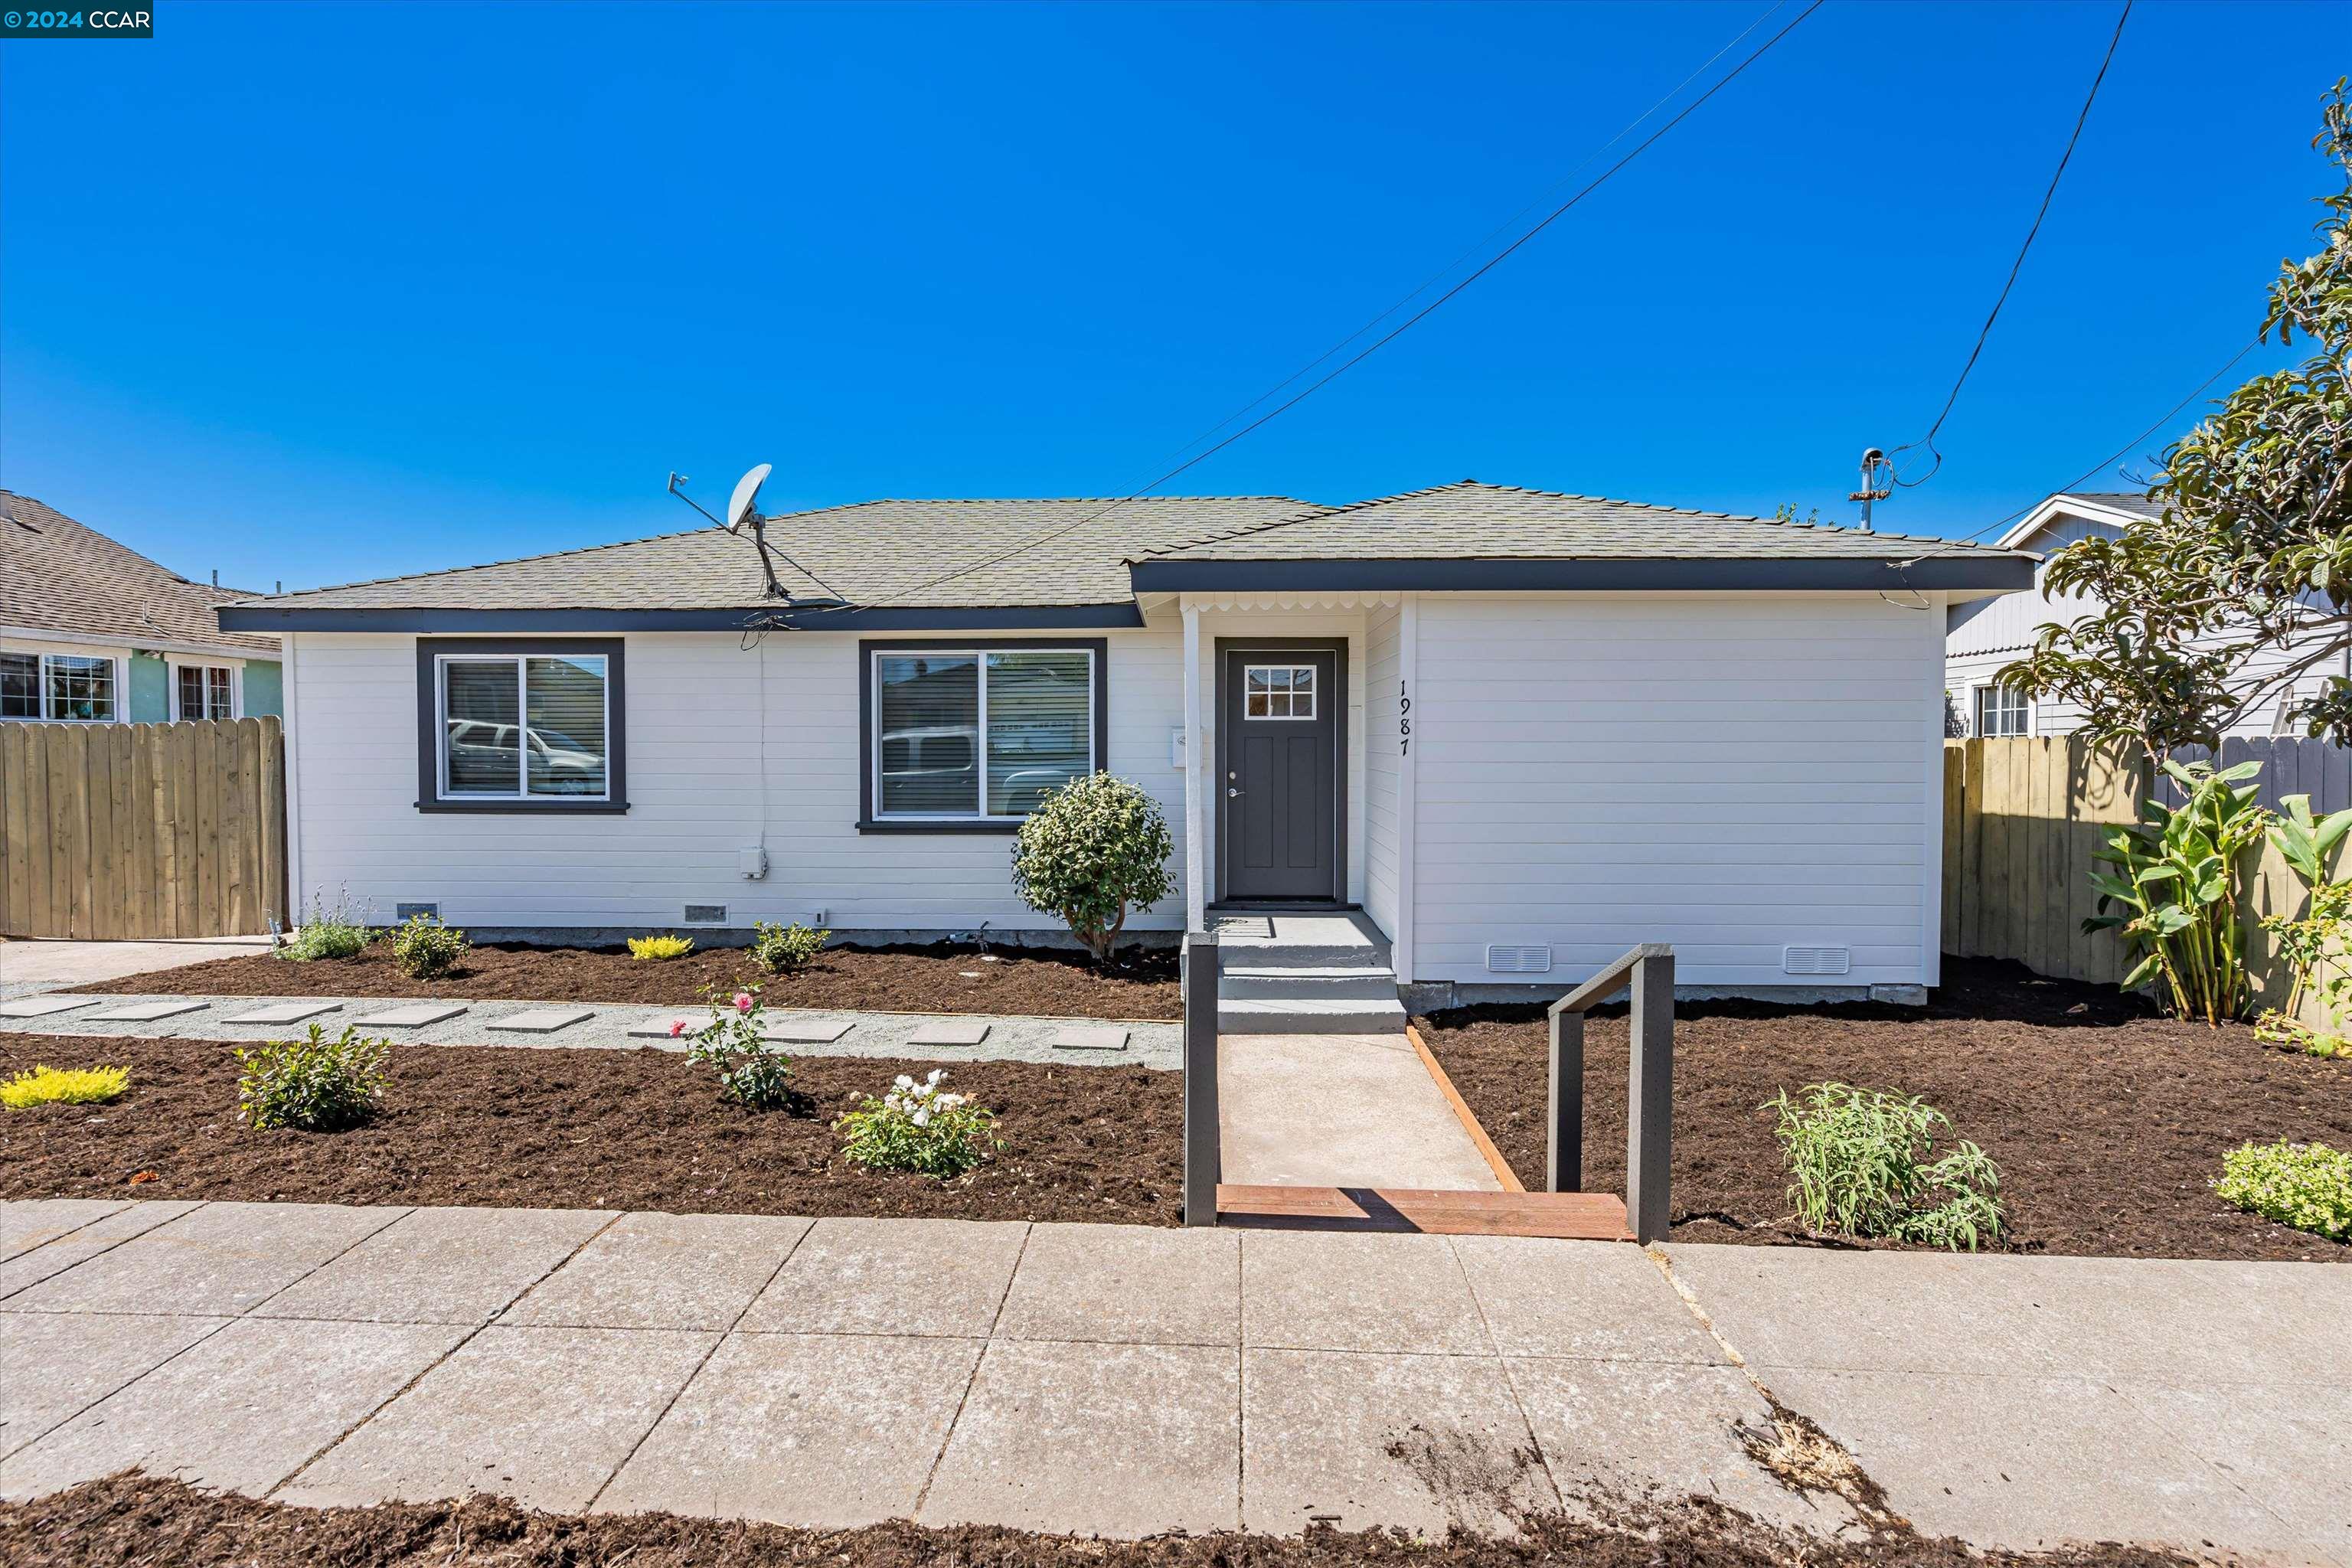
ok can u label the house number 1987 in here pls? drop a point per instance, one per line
(1404, 720)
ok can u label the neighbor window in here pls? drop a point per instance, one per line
(2002, 711)
(64, 688)
(519, 727)
(1278, 691)
(978, 734)
(204, 691)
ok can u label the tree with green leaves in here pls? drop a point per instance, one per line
(2240, 591)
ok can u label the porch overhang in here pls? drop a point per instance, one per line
(1992, 574)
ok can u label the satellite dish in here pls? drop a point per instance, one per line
(747, 492)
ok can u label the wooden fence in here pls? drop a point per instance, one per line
(142, 830)
(2023, 816)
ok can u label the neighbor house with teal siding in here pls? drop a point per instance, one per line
(92, 632)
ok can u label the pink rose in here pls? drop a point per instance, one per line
(742, 1001)
(676, 1027)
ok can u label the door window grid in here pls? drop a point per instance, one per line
(1278, 691)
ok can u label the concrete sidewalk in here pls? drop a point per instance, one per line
(1123, 1380)
(27, 966)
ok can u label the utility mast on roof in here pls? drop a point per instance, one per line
(1873, 487)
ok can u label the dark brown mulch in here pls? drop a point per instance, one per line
(133, 1519)
(594, 1129)
(2107, 1121)
(941, 978)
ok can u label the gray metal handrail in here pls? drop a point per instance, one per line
(1203, 1149)
(1649, 1085)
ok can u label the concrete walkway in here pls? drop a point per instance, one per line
(1124, 1381)
(1340, 1111)
(607, 1025)
(27, 967)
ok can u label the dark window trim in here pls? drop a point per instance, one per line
(1338, 648)
(868, 822)
(616, 725)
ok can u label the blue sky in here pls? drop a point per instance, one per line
(314, 293)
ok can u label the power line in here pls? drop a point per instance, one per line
(1374, 347)
(2119, 452)
(2017, 266)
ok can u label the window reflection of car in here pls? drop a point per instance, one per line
(483, 755)
(562, 765)
(1023, 790)
(923, 758)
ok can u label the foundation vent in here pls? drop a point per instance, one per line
(705, 914)
(1503, 959)
(1816, 960)
(406, 912)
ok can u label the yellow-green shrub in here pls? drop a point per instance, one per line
(660, 947)
(63, 1085)
(2307, 1185)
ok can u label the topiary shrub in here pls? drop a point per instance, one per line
(781, 950)
(425, 949)
(1094, 849)
(655, 948)
(919, 1127)
(312, 1085)
(1863, 1163)
(63, 1085)
(2307, 1185)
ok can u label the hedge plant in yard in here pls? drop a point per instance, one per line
(753, 1070)
(1094, 849)
(919, 1127)
(312, 1085)
(425, 949)
(2306, 1186)
(63, 1085)
(655, 948)
(1864, 1162)
(336, 933)
(787, 949)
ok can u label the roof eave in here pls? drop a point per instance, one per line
(267, 618)
(1986, 572)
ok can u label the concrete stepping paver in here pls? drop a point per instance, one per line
(1586, 1298)
(541, 1020)
(218, 1258)
(826, 1431)
(285, 1013)
(1127, 1284)
(942, 1276)
(811, 1032)
(664, 1271)
(950, 1032)
(42, 1006)
(33, 1265)
(1123, 1440)
(660, 1028)
(58, 1363)
(41, 1221)
(1310, 1290)
(241, 1411)
(1090, 1038)
(148, 1012)
(541, 1416)
(1318, 1427)
(414, 1016)
(441, 1265)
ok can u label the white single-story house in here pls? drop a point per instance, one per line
(1984, 636)
(1519, 732)
(91, 632)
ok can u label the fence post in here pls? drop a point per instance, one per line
(1204, 1150)
(1564, 1149)
(1650, 1098)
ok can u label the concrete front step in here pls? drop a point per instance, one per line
(1344, 982)
(1297, 1015)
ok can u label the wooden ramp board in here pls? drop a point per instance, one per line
(1575, 1216)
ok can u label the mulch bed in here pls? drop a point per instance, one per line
(2108, 1123)
(133, 1520)
(537, 1128)
(943, 977)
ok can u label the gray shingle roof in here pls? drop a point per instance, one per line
(1471, 520)
(872, 552)
(59, 575)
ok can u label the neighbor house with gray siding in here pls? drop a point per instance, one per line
(91, 632)
(1516, 732)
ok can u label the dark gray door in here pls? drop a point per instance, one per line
(1279, 799)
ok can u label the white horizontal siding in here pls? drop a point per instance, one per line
(1732, 775)
(697, 795)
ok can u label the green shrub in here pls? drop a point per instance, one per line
(1863, 1163)
(919, 1127)
(337, 932)
(655, 948)
(2307, 1185)
(753, 1070)
(425, 949)
(781, 949)
(314, 1084)
(63, 1085)
(1091, 850)
(2174, 893)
